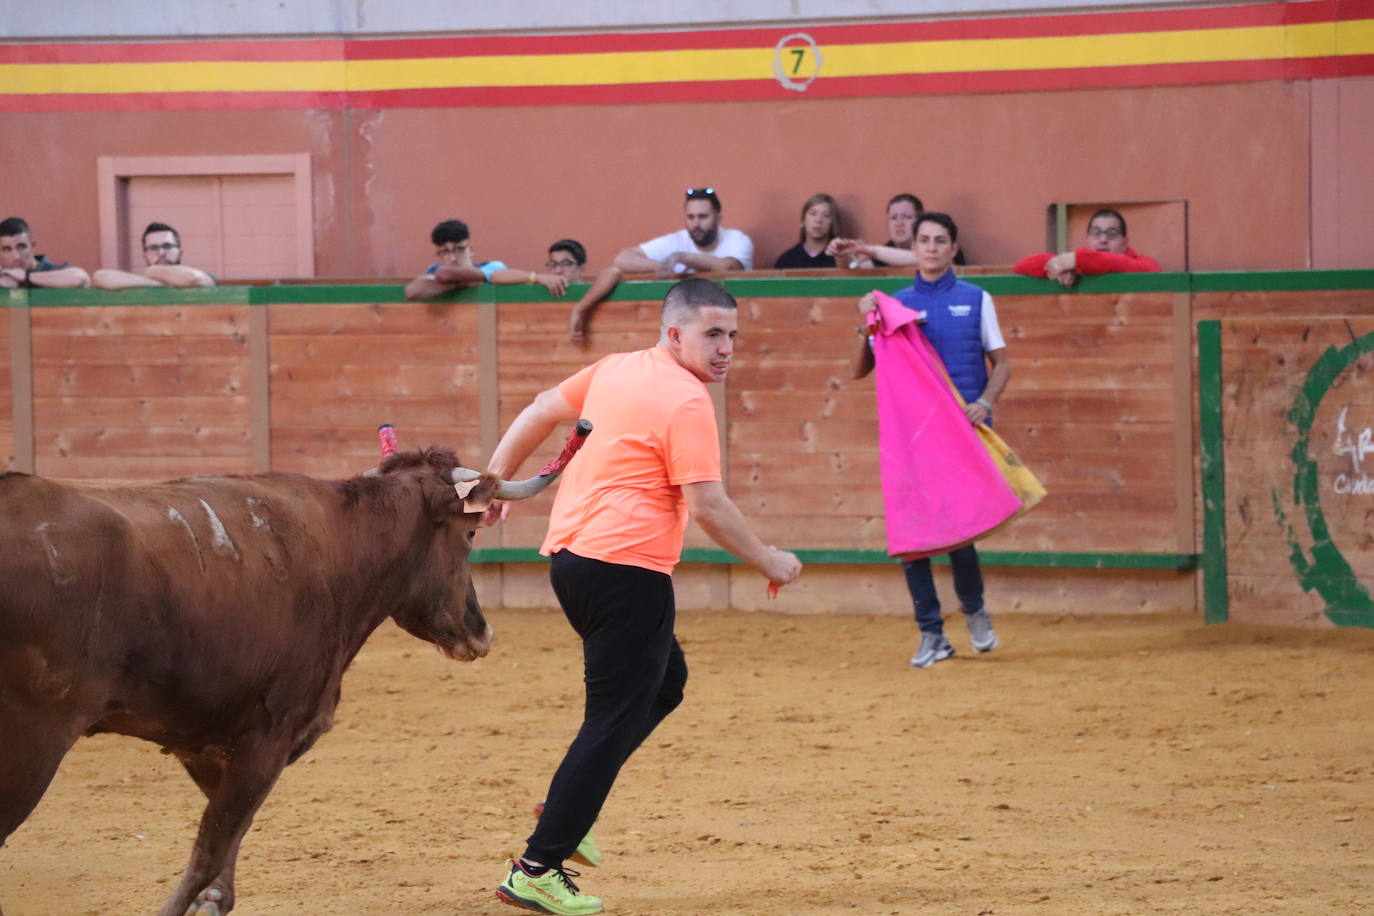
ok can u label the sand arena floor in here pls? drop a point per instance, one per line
(1100, 766)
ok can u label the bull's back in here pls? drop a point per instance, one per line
(195, 590)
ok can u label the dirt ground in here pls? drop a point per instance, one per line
(1109, 765)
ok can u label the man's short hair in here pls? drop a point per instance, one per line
(691, 295)
(450, 230)
(1108, 211)
(572, 247)
(704, 194)
(14, 226)
(941, 219)
(160, 227)
(909, 198)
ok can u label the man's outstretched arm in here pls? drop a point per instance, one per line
(722, 521)
(604, 284)
(531, 427)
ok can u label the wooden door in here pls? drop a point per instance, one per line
(237, 227)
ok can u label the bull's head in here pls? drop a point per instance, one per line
(441, 604)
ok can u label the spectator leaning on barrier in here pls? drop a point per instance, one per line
(567, 257)
(961, 324)
(702, 245)
(1108, 251)
(162, 256)
(455, 268)
(819, 218)
(21, 268)
(903, 212)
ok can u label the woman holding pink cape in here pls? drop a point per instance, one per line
(941, 489)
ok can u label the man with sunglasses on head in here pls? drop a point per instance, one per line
(455, 268)
(21, 268)
(702, 245)
(162, 257)
(1108, 252)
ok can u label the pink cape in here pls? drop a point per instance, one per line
(941, 488)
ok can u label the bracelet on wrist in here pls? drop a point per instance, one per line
(982, 401)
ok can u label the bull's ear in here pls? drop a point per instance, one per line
(477, 494)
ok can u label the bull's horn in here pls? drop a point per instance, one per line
(523, 489)
(510, 490)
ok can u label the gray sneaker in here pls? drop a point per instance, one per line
(980, 631)
(934, 647)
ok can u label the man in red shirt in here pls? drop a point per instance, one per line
(615, 536)
(1108, 252)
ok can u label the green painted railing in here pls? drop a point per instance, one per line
(765, 287)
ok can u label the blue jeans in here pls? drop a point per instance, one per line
(968, 585)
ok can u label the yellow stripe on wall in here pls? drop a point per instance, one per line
(625, 68)
(686, 66)
(180, 76)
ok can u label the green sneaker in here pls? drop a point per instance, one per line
(551, 892)
(587, 852)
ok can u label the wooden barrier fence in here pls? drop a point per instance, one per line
(147, 384)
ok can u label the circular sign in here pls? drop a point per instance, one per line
(796, 61)
(1320, 565)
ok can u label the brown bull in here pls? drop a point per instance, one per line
(215, 616)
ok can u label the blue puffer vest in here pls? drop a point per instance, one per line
(954, 327)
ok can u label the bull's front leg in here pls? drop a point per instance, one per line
(236, 787)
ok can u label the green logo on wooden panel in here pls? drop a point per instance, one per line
(1321, 566)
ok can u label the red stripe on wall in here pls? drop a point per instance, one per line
(172, 52)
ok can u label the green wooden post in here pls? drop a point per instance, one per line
(1213, 472)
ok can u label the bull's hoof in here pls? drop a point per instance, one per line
(207, 904)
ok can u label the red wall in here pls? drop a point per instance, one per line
(613, 176)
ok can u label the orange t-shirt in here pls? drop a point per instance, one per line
(653, 430)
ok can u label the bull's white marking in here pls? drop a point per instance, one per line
(60, 576)
(219, 539)
(258, 521)
(177, 518)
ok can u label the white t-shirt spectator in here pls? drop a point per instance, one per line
(730, 243)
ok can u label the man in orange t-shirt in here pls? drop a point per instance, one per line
(615, 535)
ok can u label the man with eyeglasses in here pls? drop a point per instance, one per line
(701, 245)
(162, 257)
(20, 268)
(1107, 252)
(455, 268)
(567, 257)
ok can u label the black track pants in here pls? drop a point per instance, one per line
(635, 672)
